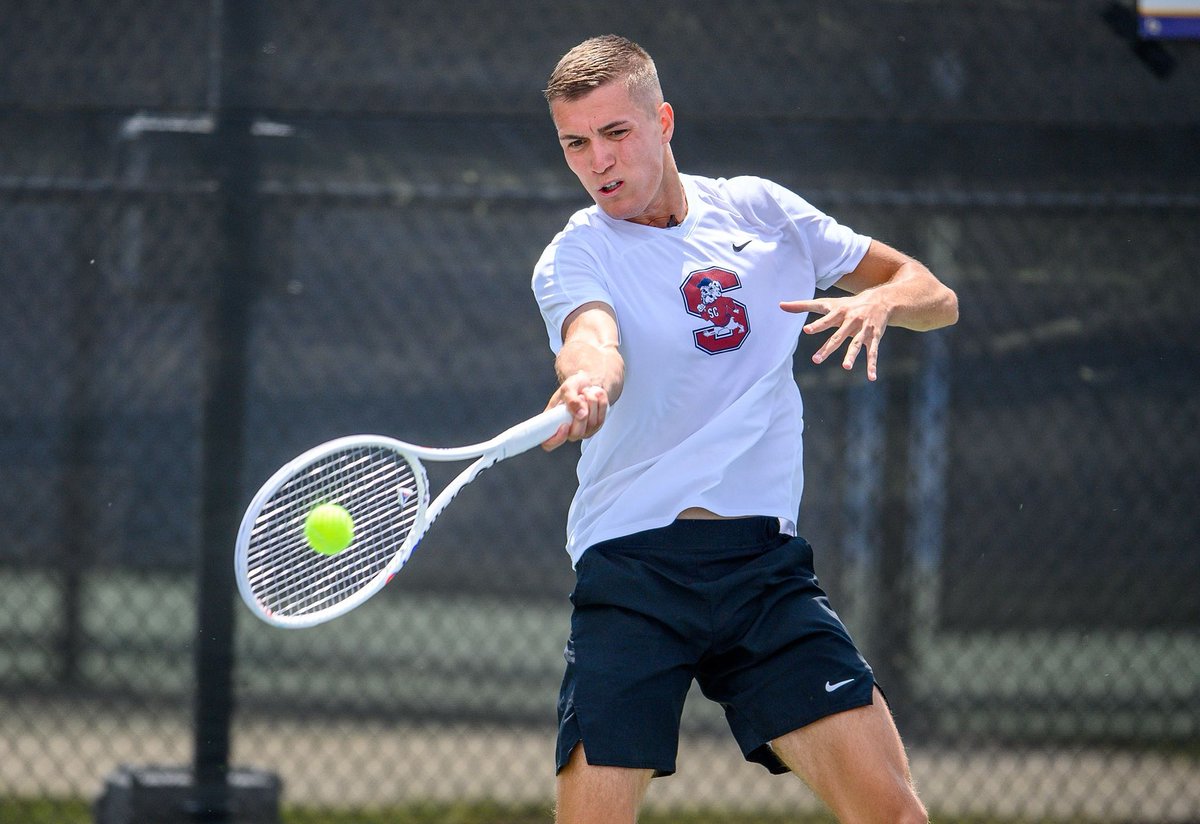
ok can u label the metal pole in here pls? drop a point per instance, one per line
(227, 318)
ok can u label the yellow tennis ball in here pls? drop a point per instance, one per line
(329, 529)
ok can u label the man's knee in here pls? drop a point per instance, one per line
(910, 811)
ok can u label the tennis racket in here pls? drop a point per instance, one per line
(381, 483)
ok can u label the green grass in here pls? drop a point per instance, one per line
(423, 814)
(44, 811)
(55, 811)
(492, 814)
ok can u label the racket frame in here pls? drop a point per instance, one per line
(513, 441)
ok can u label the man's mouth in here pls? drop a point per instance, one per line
(609, 188)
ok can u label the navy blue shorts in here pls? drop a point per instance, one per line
(734, 605)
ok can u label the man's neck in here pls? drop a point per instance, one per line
(675, 211)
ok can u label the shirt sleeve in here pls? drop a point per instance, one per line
(566, 276)
(835, 249)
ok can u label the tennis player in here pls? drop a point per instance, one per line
(674, 306)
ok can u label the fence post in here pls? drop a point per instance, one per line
(892, 628)
(226, 319)
(81, 306)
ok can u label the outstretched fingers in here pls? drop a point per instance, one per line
(853, 328)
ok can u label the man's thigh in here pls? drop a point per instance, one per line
(855, 762)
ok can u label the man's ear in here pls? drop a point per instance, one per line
(666, 121)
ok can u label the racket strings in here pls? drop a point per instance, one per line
(377, 486)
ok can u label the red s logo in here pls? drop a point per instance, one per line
(704, 297)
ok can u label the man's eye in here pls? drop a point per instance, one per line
(618, 133)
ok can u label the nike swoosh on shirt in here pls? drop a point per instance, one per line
(738, 248)
(831, 687)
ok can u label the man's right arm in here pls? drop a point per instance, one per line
(591, 371)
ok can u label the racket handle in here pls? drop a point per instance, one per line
(528, 434)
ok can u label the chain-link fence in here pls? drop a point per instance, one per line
(229, 231)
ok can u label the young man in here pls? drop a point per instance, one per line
(674, 306)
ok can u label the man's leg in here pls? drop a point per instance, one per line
(855, 763)
(599, 795)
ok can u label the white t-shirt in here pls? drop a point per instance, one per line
(710, 414)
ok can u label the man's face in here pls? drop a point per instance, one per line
(616, 147)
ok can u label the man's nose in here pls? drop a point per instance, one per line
(602, 159)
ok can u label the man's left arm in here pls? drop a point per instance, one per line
(887, 288)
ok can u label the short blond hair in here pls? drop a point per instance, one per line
(600, 60)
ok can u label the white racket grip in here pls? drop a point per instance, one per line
(528, 434)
